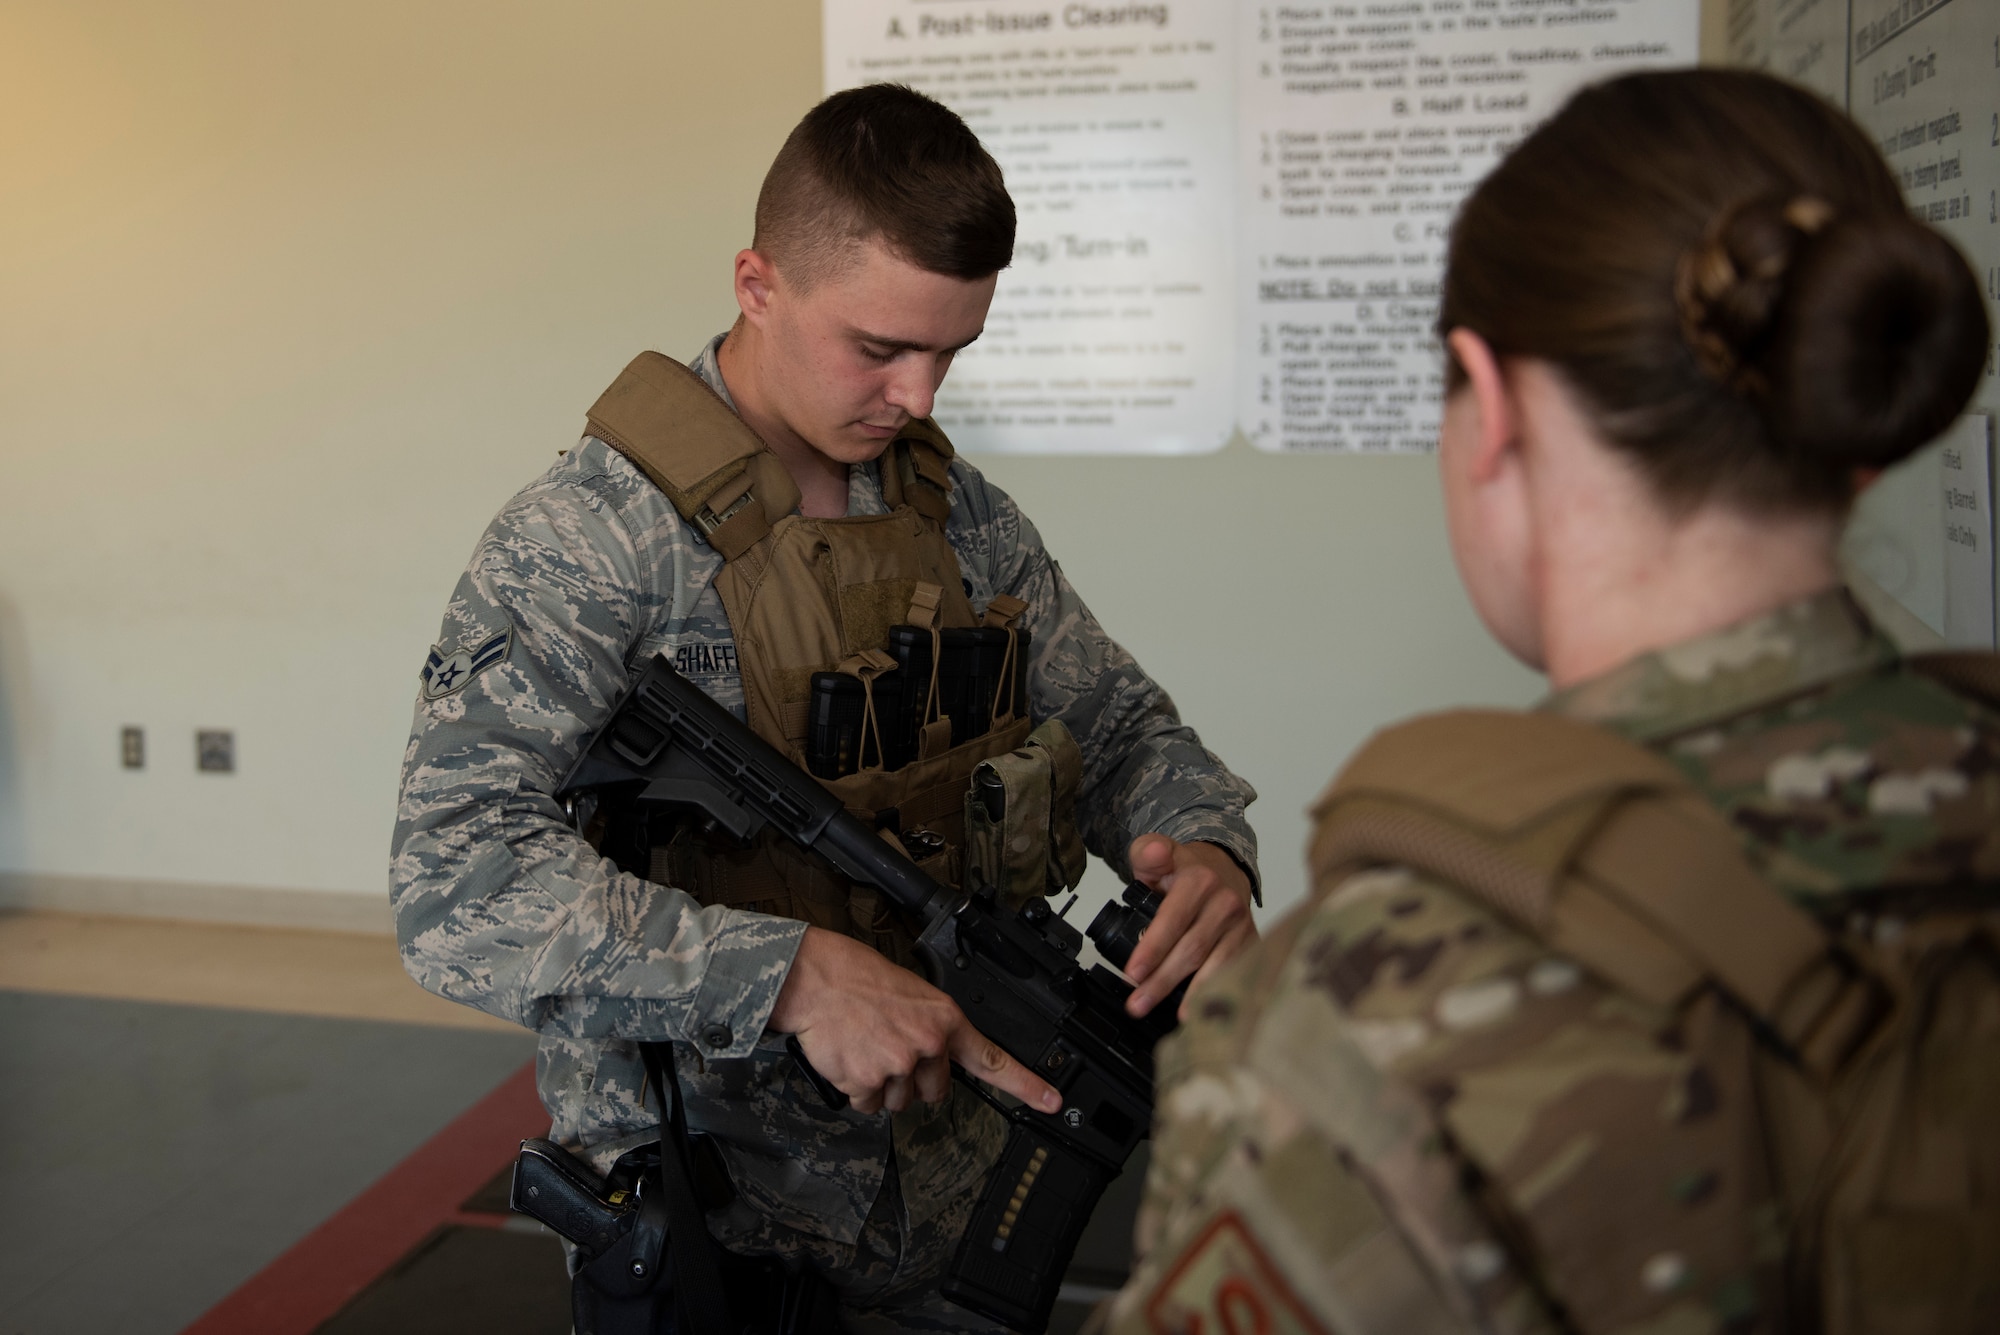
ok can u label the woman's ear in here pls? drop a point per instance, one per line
(1489, 498)
(1496, 423)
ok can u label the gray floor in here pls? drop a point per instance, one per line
(154, 1157)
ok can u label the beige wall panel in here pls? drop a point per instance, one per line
(292, 297)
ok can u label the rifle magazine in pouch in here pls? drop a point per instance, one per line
(857, 718)
(974, 672)
(835, 722)
(1021, 837)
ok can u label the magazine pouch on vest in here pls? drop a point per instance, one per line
(807, 596)
(1014, 841)
(1865, 1070)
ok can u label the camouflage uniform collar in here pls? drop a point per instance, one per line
(864, 485)
(1754, 664)
(708, 365)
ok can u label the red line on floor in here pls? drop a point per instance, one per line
(323, 1271)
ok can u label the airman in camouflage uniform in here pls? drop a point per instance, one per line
(1352, 1093)
(582, 578)
(1671, 369)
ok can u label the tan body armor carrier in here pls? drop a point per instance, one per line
(1873, 1065)
(819, 595)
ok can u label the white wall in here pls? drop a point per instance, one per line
(1290, 604)
(291, 297)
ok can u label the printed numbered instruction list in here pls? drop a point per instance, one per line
(1231, 214)
(1361, 127)
(1111, 332)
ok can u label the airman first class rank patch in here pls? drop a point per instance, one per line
(445, 674)
(1224, 1284)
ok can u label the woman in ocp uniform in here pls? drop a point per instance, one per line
(1671, 1005)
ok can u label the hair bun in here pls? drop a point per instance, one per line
(1729, 289)
(1878, 344)
(1857, 338)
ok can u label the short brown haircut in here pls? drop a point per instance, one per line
(884, 161)
(1723, 270)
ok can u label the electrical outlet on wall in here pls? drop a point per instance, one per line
(215, 751)
(132, 747)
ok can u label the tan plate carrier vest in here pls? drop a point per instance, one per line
(1874, 1065)
(819, 595)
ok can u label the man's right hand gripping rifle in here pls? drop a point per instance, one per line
(880, 1034)
(1006, 1001)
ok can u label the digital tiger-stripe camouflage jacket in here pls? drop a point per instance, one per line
(580, 580)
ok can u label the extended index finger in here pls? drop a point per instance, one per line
(984, 1058)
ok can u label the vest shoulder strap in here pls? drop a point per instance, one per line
(917, 471)
(1604, 850)
(713, 468)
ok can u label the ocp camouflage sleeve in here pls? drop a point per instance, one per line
(1402, 1112)
(499, 903)
(1383, 1103)
(1297, 1185)
(1144, 771)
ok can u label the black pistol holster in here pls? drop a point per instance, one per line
(645, 1263)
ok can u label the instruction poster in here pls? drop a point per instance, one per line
(1231, 214)
(1801, 40)
(1925, 82)
(1360, 128)
(1965, 468)
(1923, 78)
(1111, 332)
